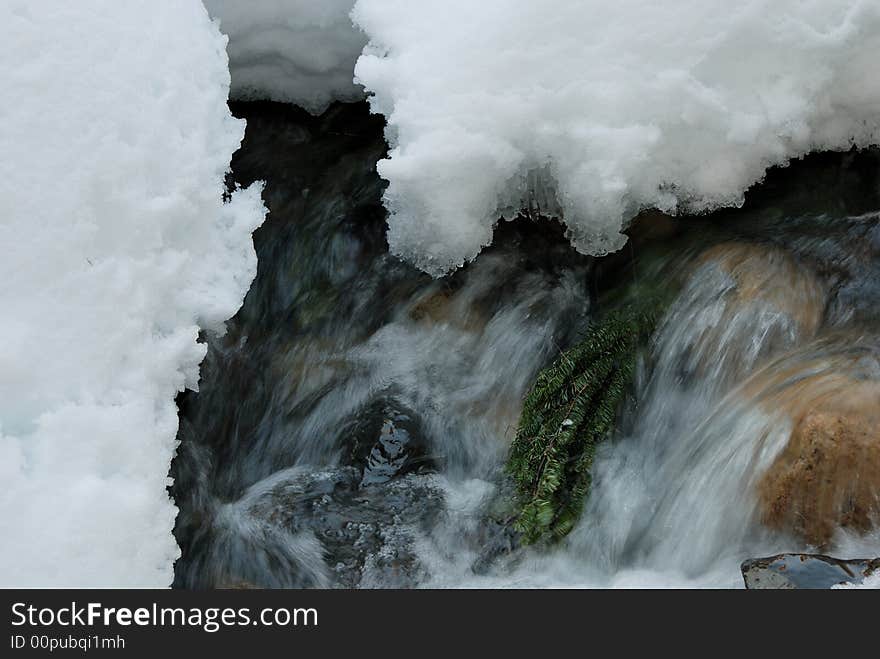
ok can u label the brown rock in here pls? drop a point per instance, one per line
(440, 306)
(768, 303)
(772, 277)
(828, 475)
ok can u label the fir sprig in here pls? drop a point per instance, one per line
(572, 407)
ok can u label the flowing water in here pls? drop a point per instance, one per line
(351, 427)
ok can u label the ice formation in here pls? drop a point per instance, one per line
(116, 250)
(594, 110)
(297, 51)
(871, 582)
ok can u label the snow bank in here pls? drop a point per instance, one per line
(296, 51)
(116, 249)
(597, 109)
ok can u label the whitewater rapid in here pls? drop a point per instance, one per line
(344, 375)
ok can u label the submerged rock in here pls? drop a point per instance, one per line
(367, 533)
(772, 276)
(736, 289)
(318, 528)
(802, 571)
(387, 442)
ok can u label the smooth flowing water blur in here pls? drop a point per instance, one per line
(351, 427)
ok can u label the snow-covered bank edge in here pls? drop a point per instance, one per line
(579, 109)
(117, 249)
(594, 111)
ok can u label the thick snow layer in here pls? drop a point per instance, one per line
(297, 51)
(595, 109)
(116, 250)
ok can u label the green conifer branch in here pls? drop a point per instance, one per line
(571, 408)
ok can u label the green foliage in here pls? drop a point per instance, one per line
(572, 407)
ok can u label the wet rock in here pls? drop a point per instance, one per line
(828, 475)
(500, 543)
(388, 456)
(387, 442)
(501, 548)
(367, 533)
(772, 278)
(803, 571)
(743, 304)
(305, 528)
(440, 305)
(768, 273)
(651, 225)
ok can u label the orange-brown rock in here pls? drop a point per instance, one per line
(439, 306)
(828, 475)
(767, 304)
(774, 278)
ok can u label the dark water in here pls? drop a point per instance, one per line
(351, 425)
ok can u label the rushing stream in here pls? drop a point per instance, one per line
(352, 425)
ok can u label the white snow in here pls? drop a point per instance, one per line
(595, 109)
(296, 51)
(116, 249)
(582, 109)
